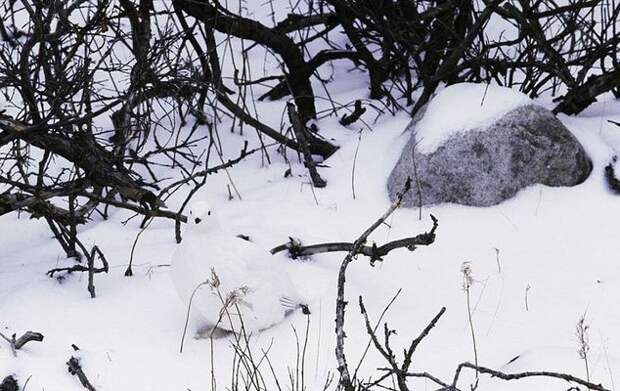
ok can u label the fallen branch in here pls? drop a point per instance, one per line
(610, 175)
(348, 119)
(521, 375)
(17, 343)
(376, 253)
(75, 369)
(27, 337)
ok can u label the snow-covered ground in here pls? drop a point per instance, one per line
(540, 262)
(556, 247)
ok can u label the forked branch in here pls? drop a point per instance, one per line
(345, 376)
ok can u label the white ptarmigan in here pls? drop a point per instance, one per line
(234, 282)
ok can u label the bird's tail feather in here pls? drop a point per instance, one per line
(291, 305)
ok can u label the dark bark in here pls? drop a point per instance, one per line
(374, 252)
(9, 384)
(300, 133)
(582, 96)
(346, 13)
(298, 71)
(28, 336)
(349, 119)
(611, 176)
(75, 368)
(101, 166)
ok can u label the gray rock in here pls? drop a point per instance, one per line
(528, 145)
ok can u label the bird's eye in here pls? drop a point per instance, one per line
(197, 220)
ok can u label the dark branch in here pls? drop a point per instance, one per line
(75, 368)
(296, 250)
(522, 375)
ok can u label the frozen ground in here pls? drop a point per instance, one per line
(540, 262)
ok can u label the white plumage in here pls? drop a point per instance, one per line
(234, 282)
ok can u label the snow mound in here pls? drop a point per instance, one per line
(462, 107)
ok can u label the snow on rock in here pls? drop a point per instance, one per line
(462, 107)
(528, 145)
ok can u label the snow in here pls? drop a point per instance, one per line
(559, 242)
(461, 107)
(540, 261)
